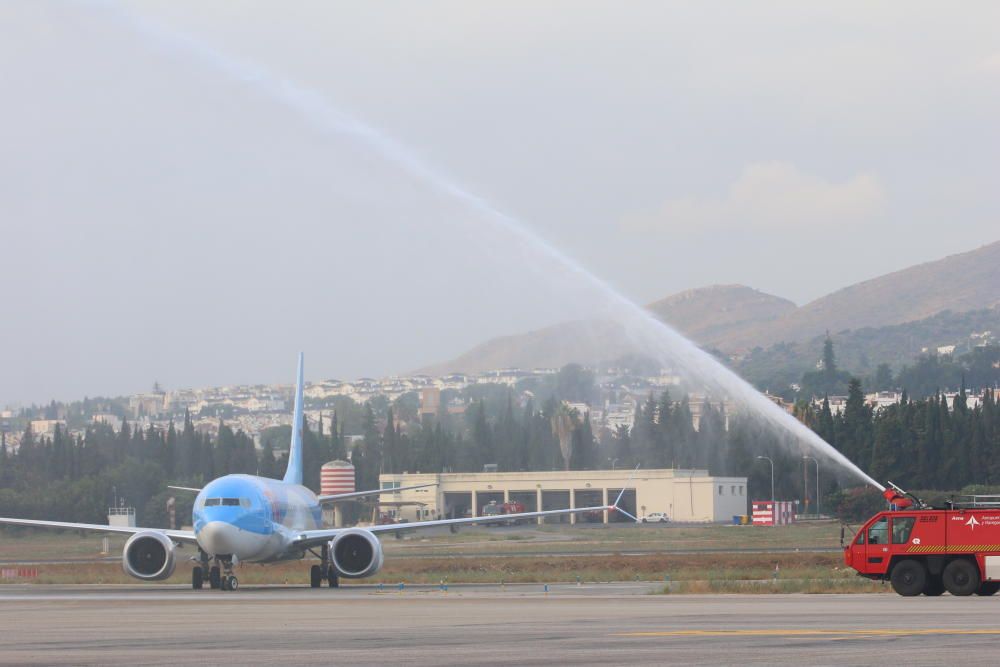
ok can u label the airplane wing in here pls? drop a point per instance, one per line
(361, 494)
(184, 488)
(311, 538)
(176, 535)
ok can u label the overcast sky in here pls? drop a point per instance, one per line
(166, 215)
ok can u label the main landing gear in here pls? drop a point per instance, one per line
(219, 575)
(323, 572)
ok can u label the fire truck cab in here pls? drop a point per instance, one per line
(926, 550)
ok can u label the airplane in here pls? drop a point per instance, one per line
(250, 519)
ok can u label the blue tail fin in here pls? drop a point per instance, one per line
(294, 473)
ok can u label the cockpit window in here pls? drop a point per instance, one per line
(228, 502)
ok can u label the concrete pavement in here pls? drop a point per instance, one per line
(510, 625)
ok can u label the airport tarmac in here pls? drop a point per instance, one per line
(603, 624)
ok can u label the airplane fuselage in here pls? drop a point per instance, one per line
(254, 519)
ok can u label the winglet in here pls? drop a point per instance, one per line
(293, 475)
(622, 493)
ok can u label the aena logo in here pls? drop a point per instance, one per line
(972, 523)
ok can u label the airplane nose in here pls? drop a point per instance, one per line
(219, 537)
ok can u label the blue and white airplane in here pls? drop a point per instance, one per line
(249, 519)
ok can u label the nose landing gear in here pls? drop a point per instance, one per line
(219, 576)
(229, 581)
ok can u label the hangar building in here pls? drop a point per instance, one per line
(684, 495)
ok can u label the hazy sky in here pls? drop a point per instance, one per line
(164, 218)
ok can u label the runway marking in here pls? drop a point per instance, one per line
(794, 632)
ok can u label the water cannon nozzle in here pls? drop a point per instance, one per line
(899, 499)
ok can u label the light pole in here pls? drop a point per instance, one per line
(816, 461)
(769, 460)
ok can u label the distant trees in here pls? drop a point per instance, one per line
(931, 373)
(77, 477)
(883, 379)
(576, 384)
(918, 443)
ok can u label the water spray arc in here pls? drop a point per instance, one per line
(645, 330)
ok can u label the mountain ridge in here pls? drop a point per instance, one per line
(736, 318)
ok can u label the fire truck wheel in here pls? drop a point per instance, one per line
(988, 588)
(908, 577)
(961, 577)
(934, 586)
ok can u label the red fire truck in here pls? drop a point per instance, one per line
(930, 550)
(493, 508)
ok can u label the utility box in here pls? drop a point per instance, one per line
(121, 517)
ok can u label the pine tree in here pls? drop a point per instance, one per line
(711, 438)
(662, 442)
(623, 447)
(268, 466)
(392, 456)
(506, 436)
(338, 452)
(169, 459)
(482, 438)
(887, 444)
(854, 435)
(683, 434)
(829, 364)
(583, 455)
(123, 441)
(826, 427)
(6, 475)
(883, 379)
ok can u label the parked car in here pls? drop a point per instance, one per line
(656, 517)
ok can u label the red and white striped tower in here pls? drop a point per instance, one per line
(336, 477)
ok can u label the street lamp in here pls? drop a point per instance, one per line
(816, 461)
(769, 460)
(613, 462)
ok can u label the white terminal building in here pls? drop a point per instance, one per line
(684, 495)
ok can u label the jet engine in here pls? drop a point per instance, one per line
(149, 556)
(356, 553)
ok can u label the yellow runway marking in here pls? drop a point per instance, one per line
(883, 632)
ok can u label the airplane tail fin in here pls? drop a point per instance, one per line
(293, 474)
